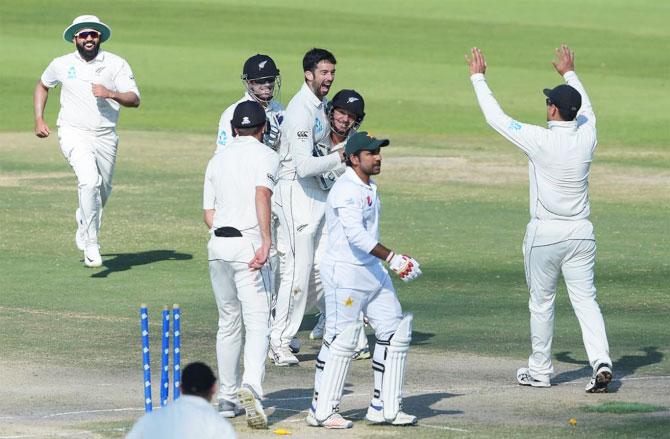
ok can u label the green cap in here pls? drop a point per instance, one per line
(363, 142)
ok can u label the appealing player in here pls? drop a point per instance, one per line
(355, 281)
(262, 83)
(299, 200)
(559, 237)
(94, 86)
(236, 202)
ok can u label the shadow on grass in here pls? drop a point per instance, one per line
(624, 366)
(126, 261)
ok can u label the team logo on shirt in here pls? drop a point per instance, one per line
(369, 200)
(318, 126)
(349, 302)
(223, 138)
(302, 135)
(71, 73)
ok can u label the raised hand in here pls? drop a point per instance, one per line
(565, 60)
(476, 63)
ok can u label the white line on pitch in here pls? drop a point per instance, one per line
(127, 409)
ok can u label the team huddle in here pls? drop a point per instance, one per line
(294, 216)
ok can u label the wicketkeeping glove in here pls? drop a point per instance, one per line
(405, 266)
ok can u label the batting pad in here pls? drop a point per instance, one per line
(394, 371)
(335, 370)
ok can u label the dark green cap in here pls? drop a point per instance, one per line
(363, 142)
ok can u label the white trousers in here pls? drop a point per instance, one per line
(300, 207)
(575, 259)
(92, 155)
(351, 289)
(243, 297)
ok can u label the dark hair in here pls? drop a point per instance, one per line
(315, 56)
(250, 131)
(197, 379)
(347, 158)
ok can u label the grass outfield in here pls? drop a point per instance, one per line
(455, 194)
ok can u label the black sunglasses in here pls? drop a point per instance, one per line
(88, 33)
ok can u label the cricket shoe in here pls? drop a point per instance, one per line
(282, 356)
(80, 235)
(375, 415)
(229, 409)
(335, 421)
(294, 345)
(256, 417)
(523, 378)
(319, 328)
(92, 256)
(602, 376)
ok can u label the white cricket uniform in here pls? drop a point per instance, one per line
(188, 417)
(242, 296)
(275, 115)
(354, 280)
(300, 204)
(86, 125)
(559, 237)
(274, 112)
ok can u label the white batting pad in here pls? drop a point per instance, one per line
(335, 370)
(394, 371)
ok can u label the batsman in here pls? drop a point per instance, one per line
(355, 281)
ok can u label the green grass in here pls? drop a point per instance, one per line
(620, 407)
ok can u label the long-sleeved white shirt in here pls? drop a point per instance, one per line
(559, 163)
(305, 124)
(188, 417)
(352, 217)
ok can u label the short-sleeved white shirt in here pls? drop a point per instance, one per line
(231, 180)
(352, 217)
(188, 417)
(305, 124)
(78, 107)
(274, 112)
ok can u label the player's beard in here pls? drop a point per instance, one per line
(87, 54)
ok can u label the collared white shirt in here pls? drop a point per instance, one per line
(305, 124)
(352, 217)
(231, 180)
(559, 163)
(78, 107)
(274, 112)
(188, 417)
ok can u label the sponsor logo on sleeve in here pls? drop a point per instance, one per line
(514, 125)
(272, 178)
(223, 138)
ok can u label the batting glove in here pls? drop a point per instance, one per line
(406, 267)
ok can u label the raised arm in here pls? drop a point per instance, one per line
(565, 66)
(523, 135)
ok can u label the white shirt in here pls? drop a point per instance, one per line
(231, 180)
(559, 163)
(78, 107)
(274, 112)
(352, 217)
(189, 417)
(305, 124)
